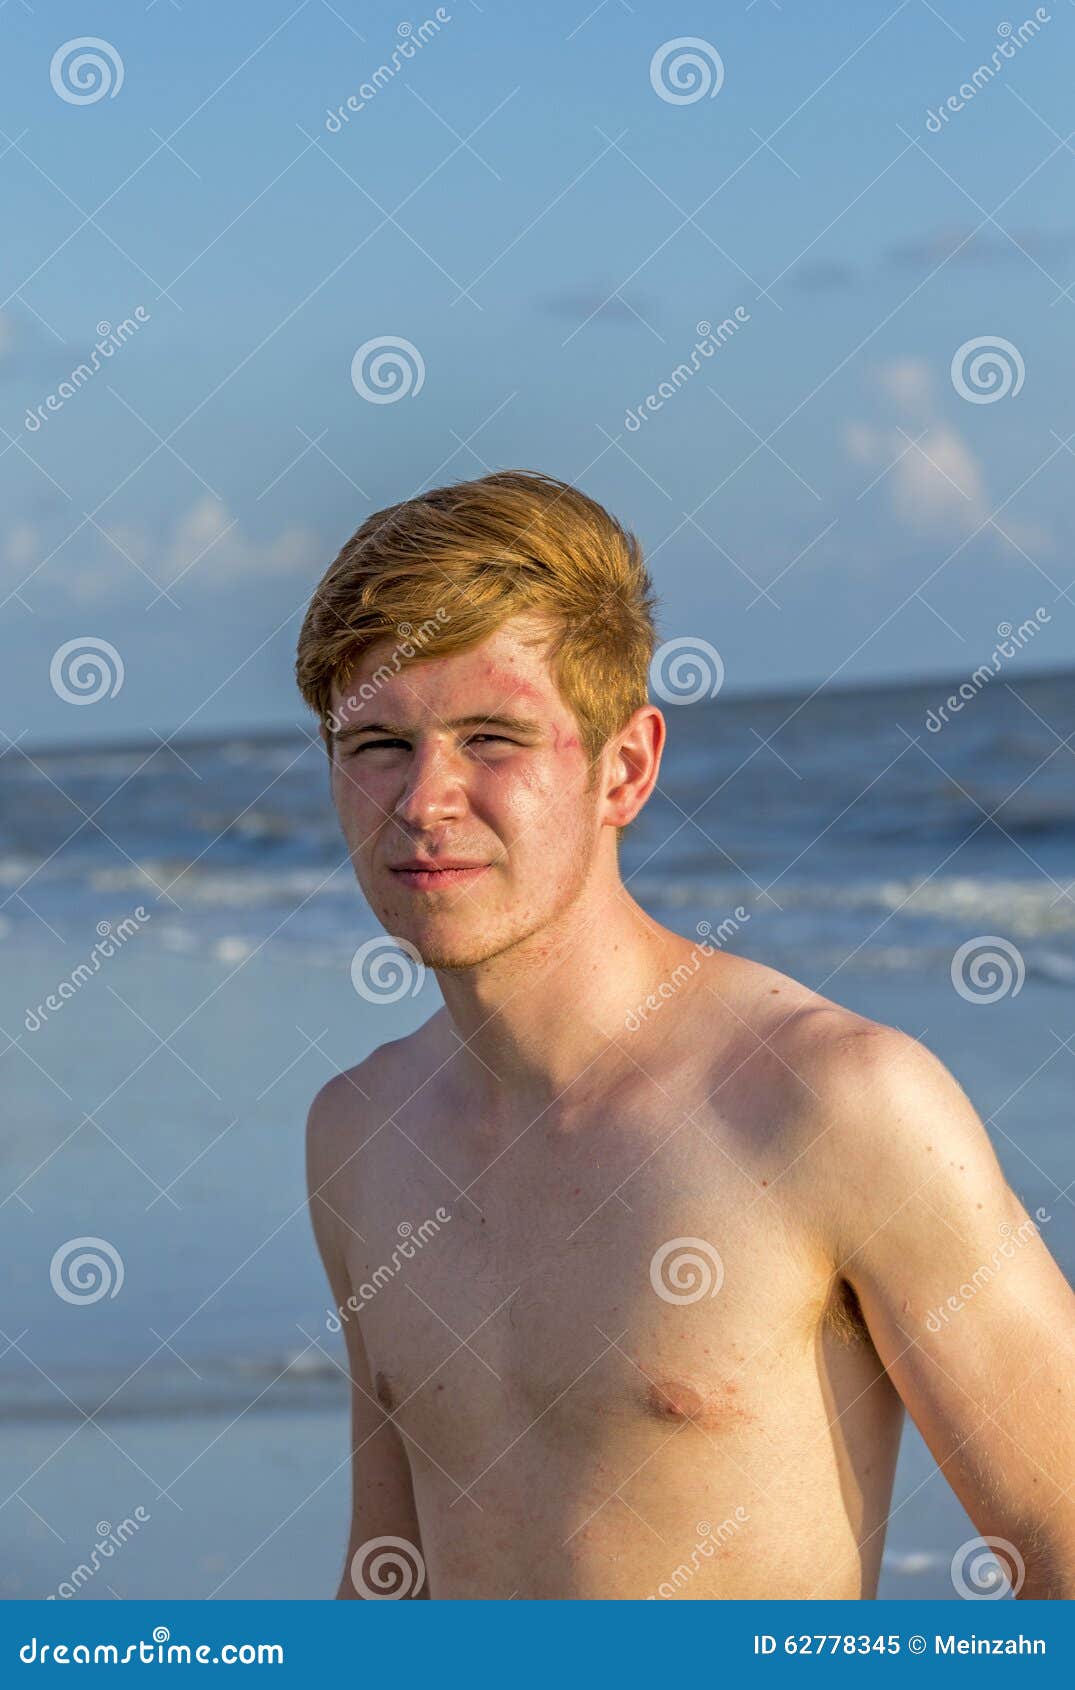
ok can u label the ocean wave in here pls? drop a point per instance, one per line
(1028, 907)
(197, 883)
(304, 1377)
(912, 1561)
(317, 915)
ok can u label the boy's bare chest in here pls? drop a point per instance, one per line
(572, 1283)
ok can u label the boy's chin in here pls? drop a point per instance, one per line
(444, 957)
(451, 952)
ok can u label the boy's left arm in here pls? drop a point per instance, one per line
(970, 1315)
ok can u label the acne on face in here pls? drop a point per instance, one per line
(520, 798)
(506, 675)
(564, 742)
(436, 686)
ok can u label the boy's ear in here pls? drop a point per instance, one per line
(635, 765)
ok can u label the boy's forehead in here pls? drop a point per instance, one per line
(509, 670)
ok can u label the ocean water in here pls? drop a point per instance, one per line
(855, 837)
(161, 1106)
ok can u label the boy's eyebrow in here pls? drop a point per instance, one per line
(514, 724)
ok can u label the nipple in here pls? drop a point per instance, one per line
(678, 1402)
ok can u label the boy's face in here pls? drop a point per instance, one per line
(473, 759)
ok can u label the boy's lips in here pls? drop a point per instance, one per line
(437, 873)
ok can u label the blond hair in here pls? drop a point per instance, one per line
(456, 562)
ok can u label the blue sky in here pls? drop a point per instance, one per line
(521, 204)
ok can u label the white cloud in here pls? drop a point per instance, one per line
(932, 479)
(206, 550)
(210, 547)
(909, 381)
(21, 545)
(938, 481)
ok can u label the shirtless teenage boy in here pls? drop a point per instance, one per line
(664, 1341)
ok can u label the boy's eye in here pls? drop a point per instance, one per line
(374, 745)
(378, 744)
